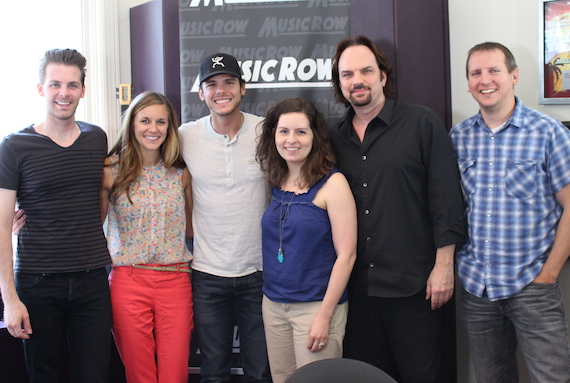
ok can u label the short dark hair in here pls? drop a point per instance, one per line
(381, 60)
(491, 46)
(63, 56)
(321, 159)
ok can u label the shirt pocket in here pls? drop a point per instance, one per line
(253, 170)
(468, 171)
(521, 178)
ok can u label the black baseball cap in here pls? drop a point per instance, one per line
(219, 63)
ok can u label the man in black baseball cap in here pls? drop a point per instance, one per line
(221, 88)
(229, 198)
(219, 63)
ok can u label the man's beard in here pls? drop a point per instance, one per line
(361, 102)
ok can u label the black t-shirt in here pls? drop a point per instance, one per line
(58, 188)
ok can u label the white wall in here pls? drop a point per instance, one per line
(513, 23)
(23, 44)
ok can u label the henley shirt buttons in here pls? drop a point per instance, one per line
(366, 211)
(368, 239)
(363, 158)
(371, 264)
(364, 184)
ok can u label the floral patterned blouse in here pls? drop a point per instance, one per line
(152, 229)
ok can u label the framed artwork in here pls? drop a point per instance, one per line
(554, 52)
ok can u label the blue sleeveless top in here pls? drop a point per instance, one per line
(307, 245)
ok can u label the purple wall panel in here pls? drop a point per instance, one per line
(422, 55)
(155, 49)
(147, 50)
(415, 36)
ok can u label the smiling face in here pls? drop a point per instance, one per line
(490, 82)
(294, 138)
(62, 90)
(361, 81)
(222, 94)
(150, 128)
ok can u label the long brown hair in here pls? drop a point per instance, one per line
(127, 148)
(321, 158)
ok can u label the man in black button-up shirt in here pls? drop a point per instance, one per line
(403, 173)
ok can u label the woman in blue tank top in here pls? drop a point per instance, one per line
(309, 239)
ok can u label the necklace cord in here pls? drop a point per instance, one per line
(282, 218)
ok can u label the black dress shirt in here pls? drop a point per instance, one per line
(406, 185)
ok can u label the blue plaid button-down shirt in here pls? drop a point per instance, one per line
(510, 179)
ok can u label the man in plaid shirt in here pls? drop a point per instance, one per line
(515, 171)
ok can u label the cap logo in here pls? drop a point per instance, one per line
(217, 61)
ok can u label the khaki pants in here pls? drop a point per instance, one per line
(287, 332)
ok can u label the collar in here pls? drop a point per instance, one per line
(385, 116)
(516, 119)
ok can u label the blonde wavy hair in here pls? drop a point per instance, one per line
(127, 153)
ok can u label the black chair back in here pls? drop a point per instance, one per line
(341, 370)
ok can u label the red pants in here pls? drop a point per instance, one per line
(152, 323)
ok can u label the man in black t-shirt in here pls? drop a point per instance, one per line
(57, 290)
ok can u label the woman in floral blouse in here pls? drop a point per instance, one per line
(146, 194)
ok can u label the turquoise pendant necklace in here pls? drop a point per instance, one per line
(282, 218)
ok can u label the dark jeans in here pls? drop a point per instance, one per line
(215, 299)
(73, 307)
(402, 336)
(534, 318)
